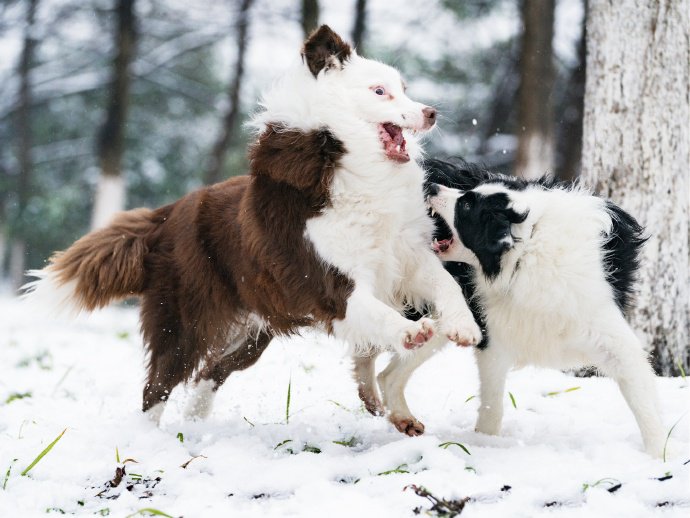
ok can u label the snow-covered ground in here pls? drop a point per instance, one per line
(562, 454)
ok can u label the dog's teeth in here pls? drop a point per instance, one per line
(433, 212)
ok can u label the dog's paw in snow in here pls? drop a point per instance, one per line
(408, 424)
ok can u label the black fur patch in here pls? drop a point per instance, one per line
(464, 274)
(621, 251)
(483, 223)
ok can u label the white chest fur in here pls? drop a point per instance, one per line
(374, 226)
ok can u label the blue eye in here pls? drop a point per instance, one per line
(380, 90)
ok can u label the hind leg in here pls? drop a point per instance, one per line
(163, 377)
(393, 380)
(364, 373)
(620, 356)
(241, 354)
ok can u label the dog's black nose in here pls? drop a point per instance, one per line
(433, 189)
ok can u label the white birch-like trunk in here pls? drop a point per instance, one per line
(636, 150)
(109, 200)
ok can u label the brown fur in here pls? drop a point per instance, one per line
(204, 263)
(325, 49)
(108, 263)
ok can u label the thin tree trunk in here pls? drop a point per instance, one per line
(535, 116)
(636, 150)
(214, 171)
(24, 140)
(310, 16)
(110, 193)
(360, 26)
(570, 134)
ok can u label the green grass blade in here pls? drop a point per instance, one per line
(668, 436)
(7, 475)
(470, 398)
(117, 455)
(350, 443)
(17, 395)
(512, 400)
(311, 449)
(287, 403)
(282, 443)
(43, 453)
(180, 437)
(399, 469)
(445, 445)
(150, 511)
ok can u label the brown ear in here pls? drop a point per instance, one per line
(306, 161)
(325, 49)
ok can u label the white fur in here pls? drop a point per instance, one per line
(551, 305)
(376, 230)
(49, 294)
(200, 403)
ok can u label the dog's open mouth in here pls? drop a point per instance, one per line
(441, 245)
(391, 136)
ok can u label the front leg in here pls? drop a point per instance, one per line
(370, 324)
(493, 370)
(433, 283)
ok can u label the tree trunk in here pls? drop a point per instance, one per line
(310, 16)
(214, 171)
(110, 193)
(636, 150)
(535, 112)
(360, 26)
(24, 140)
(570, 131)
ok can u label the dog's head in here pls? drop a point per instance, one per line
(479, 224)
(370, 91)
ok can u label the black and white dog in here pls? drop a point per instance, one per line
(549, 271)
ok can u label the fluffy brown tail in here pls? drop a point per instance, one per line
(102, 266)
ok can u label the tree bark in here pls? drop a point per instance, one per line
(360, 26)
(636, 150)
(535, 112)
(570, 133)
(24, 140)
(310, 16)
(214, 171)
(110, 193)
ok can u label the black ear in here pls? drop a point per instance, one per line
(324, 49)
(516, 217)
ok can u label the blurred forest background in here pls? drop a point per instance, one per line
(107, 103)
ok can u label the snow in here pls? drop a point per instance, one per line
(85, 375)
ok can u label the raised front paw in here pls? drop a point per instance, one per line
(464, 331)
(418, 333)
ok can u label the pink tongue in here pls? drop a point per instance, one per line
(442, 245)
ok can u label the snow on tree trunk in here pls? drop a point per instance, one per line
(636, 150)
(110, 199)
(110, 193)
